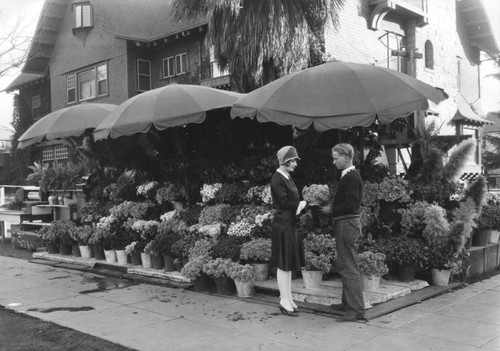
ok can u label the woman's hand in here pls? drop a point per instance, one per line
(301, 206)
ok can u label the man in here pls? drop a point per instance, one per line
(347, 229)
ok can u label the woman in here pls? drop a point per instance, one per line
(287, 249)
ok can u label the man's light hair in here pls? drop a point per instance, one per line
(344, 149)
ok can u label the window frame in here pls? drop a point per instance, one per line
(79, 89)
(68, 77)
(139, 74)
(102, 80)
(79, 18)
(38, 106)
(170, 71)
(429, 55)
(178, 58)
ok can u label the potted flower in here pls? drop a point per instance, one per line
(169, 231)
(443, 264)
(82, 235)
(133, 250)
(488, 223)
(193, 270)
(316, 194)
(60, 229)
(258, 253)
(50, 239)
(244, 278)
(218, 269)
(102, 239)
(152, 249)
(320, 253)
(372, 266)
(407, 255)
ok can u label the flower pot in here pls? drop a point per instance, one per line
(65, 249)
(481, 237)
(202, 283)
(261, 271)
(98, 253)
(52, 248)
(225, 285)
(169, 263)
(312, 279)
(370, 282)
(110, 256)
(178, 264)
(157, 262)
(135, 259)
(244, 288)
(85, 251)
(121, 257)
(75, 250)
(493, 237)
(406, 273)
(52, 200)
(146, 260)
(440, 277)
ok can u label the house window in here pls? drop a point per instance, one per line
(54, 154)
(214, 66)
(83, 15)
(429, 55)
(143, 75)
(2, 145)
(87, 85)
(181, 63)
(102, 80)
(36, 104)
(71, 88)
(168, 67)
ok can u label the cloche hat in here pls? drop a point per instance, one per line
(287, 153)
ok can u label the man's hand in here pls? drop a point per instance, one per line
(327, 209)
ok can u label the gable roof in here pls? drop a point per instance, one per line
(465, 114)
(144, 20)
(23, 79)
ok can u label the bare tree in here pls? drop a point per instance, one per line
(14, 44)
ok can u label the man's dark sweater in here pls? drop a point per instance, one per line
(348, 196)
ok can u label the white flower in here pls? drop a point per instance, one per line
(209, 190)
(167, 216)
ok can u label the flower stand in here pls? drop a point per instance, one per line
(261, 271)
(157, 262)
(312, 279)
(110, 256)
(85, 251)
(169, 263)
(371, 282)
(121, 257)
(406, 273)
(135, 259)
(146, 260)
(98, 253)
(244, 288)
(440, 277)
(202, 283)
(225, 285)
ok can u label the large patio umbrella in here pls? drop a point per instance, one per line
(169, 106)
(337, 95)
(64, 123)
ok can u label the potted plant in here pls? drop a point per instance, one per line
(218, 269)
(50, 239)
(193, 270)
(150, 249)
(372, 266)
(244, 278)
(133, 250)
(168, 233)
(488, 223)
(320, 253)
(60, 229)
(258, 253)
(102, 239)
(407, 255)
(82, 235)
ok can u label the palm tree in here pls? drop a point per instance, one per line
(261, 40)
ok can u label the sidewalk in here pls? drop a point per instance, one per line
(148, 317)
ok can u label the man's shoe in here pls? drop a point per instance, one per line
(352, 317)
(338, 307)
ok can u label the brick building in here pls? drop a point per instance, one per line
(97, 51)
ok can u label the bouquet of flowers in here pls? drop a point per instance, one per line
(372, 264)
(265, 195)
(130, 248)
(201, 248)
(320, 252)
(243, 273)
(394, 189)
(146, 229)
(212, 230)
(253, 194)
(316, 194)
(218, 268)
(132, 209)
(213, 214)
(256, 250)
(147, 189)
(209, 190)
(194, 267)
(81, 234)
(170, 192)
(241, 228)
